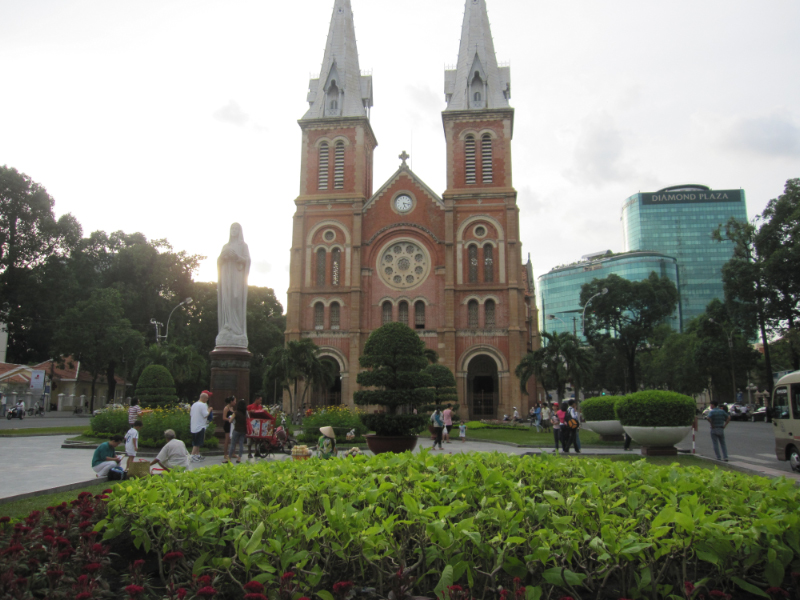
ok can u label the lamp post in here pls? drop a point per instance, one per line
(156, 323)
(602, 292)
(729, 335)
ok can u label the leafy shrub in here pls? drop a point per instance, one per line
(154, 423)
(599, 524)
(156, 386)
(655, 408)
(476, 425)
(600, 408)
(339, 417)
(112, 421)
(444, 386)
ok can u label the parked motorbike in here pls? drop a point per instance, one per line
(15, 412)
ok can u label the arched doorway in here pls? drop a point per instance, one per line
(332, 395)
(483, 391)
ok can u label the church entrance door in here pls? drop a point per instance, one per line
(331, 396)
(482, 388)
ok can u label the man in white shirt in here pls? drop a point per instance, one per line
(200, 415)
(173, 454)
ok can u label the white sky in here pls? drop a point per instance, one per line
(178, 117)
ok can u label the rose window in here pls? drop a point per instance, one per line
(404, 264)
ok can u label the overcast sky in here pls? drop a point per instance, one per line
(178, 117)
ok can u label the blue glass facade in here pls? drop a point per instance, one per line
(560, 289)
(679, 222)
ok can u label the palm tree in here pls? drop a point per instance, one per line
(298, 361)
(562, 359)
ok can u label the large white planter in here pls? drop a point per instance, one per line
(604, 427)
(657, 436)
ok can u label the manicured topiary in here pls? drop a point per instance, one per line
(156, 387)
(444, 385)
(395, 361)
(655, 408)
(600, 408)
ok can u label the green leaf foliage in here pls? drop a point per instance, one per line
(656, 408)
(341, 419)
(156, 386)
(600, 408)
(586, 528)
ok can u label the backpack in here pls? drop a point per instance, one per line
(116, 474)
(570, 421)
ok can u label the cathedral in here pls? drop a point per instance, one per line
(449, 266)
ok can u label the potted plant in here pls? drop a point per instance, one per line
(394, 363)
(601, 418)
(656, 419)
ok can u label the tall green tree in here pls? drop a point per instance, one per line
(298, 362)
(95, 332)
(444, 385)
(561, 359)
(628, 314)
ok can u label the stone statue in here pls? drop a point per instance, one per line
(233, 267)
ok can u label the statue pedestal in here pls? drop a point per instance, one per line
(230, 376)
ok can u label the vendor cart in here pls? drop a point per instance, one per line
(268, 439)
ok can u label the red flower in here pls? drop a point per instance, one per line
(134, 591)
(87, 514)
(181, 593)
(21, 582)
(65, 554)
(288, 576)
(138, 564)
(92, 567)
(99, 549)
(340, 588)
(566, 598)
(83, 596)
(54, 575)
(33, 563)
(207, 592)
(5, 519)
(13, 549)
(778, 591)
(455, 588)
(204, 580)
(254, 587)
(688, 587)
(258, 597)
(83, 495)
(172, 556)
(85, 525)
(102, 497)
(107, 491)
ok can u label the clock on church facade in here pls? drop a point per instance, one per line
(449, 266)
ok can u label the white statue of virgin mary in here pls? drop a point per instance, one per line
(233, 267)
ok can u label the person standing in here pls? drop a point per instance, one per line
(239, 433)
(438, 426)
(105, 456)
(566, 432)
(576, 438)
(719, 420)
(135, 412)
(132, 443)
(537, 417)
(462, 432)
(447, 415)
(4, 400)
(556, 423)
(228, 413)
(173, 453)
(255, 411)
(546, 417)
(200, 415)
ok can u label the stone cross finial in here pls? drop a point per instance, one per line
(404, 157)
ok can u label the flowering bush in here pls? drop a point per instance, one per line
(114, 421)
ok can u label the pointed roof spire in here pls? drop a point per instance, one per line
(340, 90)
(477, 81)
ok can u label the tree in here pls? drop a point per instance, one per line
(156, 386)
(628, 314)
(298, 361)
(444, 385)
(187, 366)
(395, 364)
(673, 366)
(94, 331)
(559, 360)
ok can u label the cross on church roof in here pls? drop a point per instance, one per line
(404, 157)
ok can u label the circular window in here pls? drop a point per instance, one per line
(403, 264)
(329, 235)
(480, 231)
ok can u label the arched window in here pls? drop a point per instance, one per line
(469, 155)
(472, 263)
(488, 263)
(336, 265)
(386, 313)
(323, 166)
(402, 312)
(488, 314)
(338, 166)
(472, 314)
(334, 105)
(477, 96)
(321, 266)
(335, 315)
(486, 158)
(419, 314)
(319, 316)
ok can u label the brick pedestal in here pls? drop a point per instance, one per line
(230, 376)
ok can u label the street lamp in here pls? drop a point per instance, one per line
(602, 292)
(729, 334)
(553, 318)
(156, 323)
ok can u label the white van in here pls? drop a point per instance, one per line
(786, 419)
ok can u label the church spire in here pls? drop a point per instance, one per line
(477, 82)
(340, 90)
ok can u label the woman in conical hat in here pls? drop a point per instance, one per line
(327, 443)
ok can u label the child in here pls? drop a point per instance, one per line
(462, 432)
(132, 442)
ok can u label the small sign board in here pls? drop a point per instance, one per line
(37, 380)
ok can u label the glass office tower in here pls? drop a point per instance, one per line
(560, 289)
(678, 221)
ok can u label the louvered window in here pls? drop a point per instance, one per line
(323, 166)
(336, 265)
(486, 158)
(335, 315)
(469, 148)
(321, 266)
(488, 314)
(319, 316)
(488, 263)
(338, 166)
(402, 313)
(472, 263)
(419, 314)
(386, 316)
(472, 314)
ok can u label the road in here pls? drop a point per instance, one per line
(49, 420)
(751, 443)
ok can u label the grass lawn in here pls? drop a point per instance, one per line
(43, 431)
(22, 508)
(529, 437)
(684, 460)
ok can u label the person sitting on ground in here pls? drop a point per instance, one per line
(105, 456)
(173, 453)
(132, 443)
(327, 443)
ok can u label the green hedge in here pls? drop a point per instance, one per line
(600, 408)
(476, 425)
(656, 408)
(115, 421)
(339, 417)
(156, 387)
